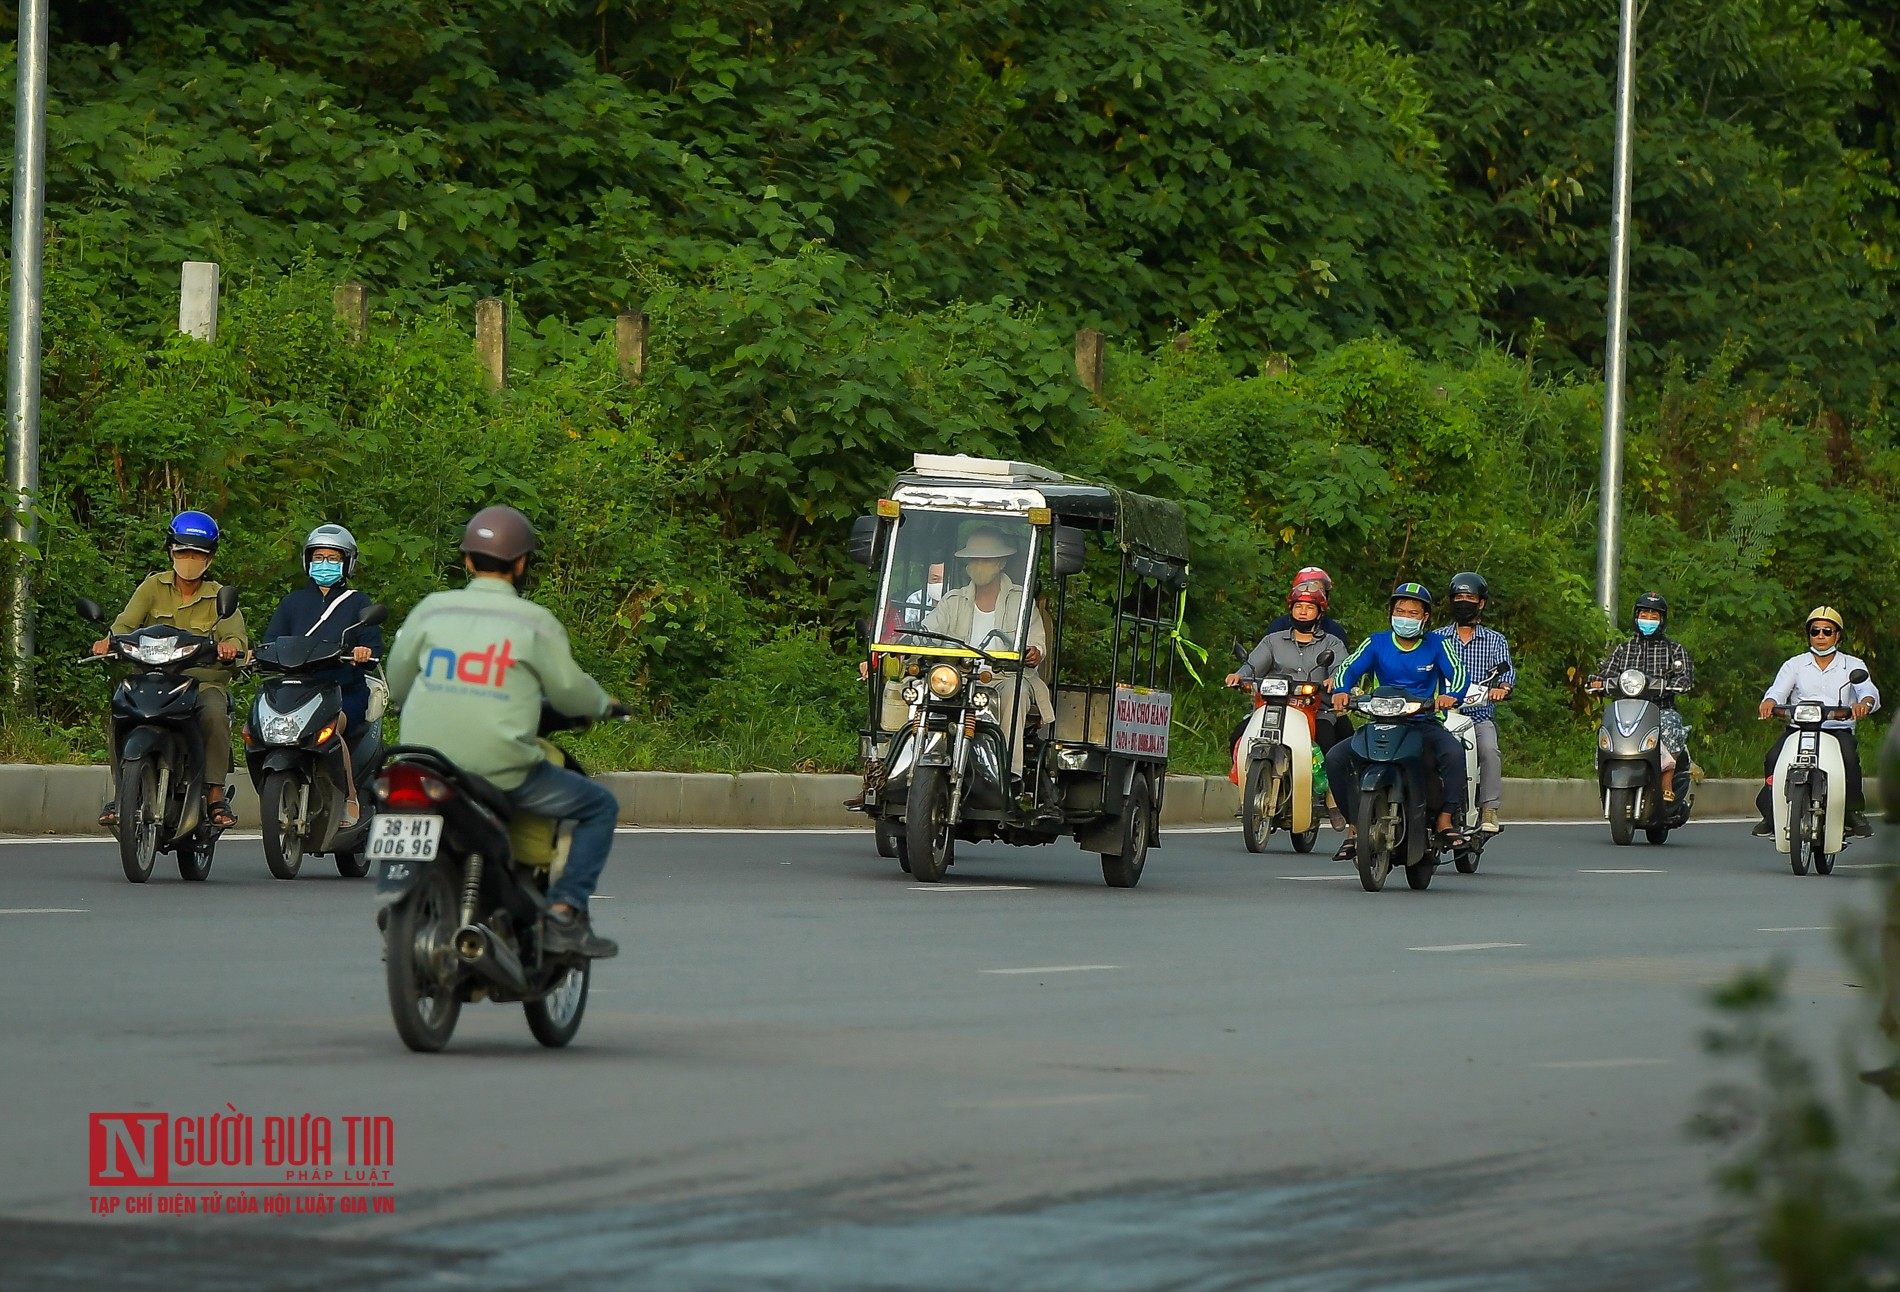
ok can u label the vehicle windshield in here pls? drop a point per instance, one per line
(954, 581)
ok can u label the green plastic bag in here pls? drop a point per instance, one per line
(1320, 784)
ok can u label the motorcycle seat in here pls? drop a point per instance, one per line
(479, 788)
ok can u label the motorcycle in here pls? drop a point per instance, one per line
(157, 747)
(462, 896)
(1399, 790)
(1629, 760)
(1810, 823)
(290, 750)
(1465, 732)
(1276, 749)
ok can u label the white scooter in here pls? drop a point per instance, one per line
(1273, 760)
(1811, 822)
(1465, 731)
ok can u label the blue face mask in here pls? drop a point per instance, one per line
(1648, 627)
(326, 573)
(1404, 626)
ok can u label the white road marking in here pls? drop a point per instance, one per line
(1621, 872)
(1860, 865)
(1469, 946)
(1799, 928)
(1052, 969)
(1588, 1065)
(43, 910)
(971, 888)
(1305, 877)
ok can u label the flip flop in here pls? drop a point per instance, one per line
(1348, 851)
(1452, 841)
(220, 814)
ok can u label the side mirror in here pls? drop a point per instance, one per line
(1858, 676)
(1326, 659)
(863, 544)
(1240, 652)
(91, 611)
(1070, 549)
(227, 601)
(376, 614)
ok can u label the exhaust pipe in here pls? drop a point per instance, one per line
(489, 956)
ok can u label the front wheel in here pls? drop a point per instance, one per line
(1622, 817)
(417, 955)
(929, 834)
(1797, 826)
(1373, 859)
(1256, 813)
(140, 817)
(557, 1016)
(283, 846)
(194, 857)
(1123, 869)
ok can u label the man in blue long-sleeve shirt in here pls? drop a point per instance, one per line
(1423, 666)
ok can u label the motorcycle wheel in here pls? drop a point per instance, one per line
(557, 1016)
(194, 857)
(930, 837)
(1373, 862)
(1304, 841)
(1256, 816)
(1622, 817)
(1657, 834)
(1466, 860)
(421, 930)
(1797, 822)
(283, 846)
(886, 840)
(1123, 869)
(352, 865)
(1419, 876)
(140, 815)
(1823, 860)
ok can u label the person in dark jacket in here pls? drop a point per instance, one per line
(1308, 579)
(326, 609)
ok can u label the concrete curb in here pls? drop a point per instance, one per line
(63, 799)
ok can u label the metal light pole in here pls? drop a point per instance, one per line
(1610, 489)
(23, 342)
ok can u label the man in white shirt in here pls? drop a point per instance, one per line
(986, 612)
(1821, 674)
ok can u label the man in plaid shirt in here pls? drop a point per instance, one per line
(1482, 649)
(1656, 655)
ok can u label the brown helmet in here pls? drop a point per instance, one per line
(500, 532)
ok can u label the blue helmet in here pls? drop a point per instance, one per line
(1412, 592)
(192, 531)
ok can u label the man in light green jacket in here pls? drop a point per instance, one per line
(470, 669)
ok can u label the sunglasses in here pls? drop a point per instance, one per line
(1821, 632)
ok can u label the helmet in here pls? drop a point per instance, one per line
(1653, 601)
(500, 532)
(192, 531)
(1412, 592)
(1471, 583)
(332, 536)
(1310, 592)
(1312, 573)
(1831, 615)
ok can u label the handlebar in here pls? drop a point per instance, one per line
(1829, 712)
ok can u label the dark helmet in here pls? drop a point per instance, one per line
(500, 532)
(337, 538)
(1412, 592)
(1652, 601)
(1471, 583)
(192, 531)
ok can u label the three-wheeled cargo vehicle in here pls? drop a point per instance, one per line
(1022, 652)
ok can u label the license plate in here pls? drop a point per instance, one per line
(404, 837)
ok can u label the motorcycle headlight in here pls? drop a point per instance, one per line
(1807, 713)
(1273, 686)
(281, 731)
(280, 728)
(980, 699)
(1384, 706)
(945, 681)
(1631, 682)
(162, 650)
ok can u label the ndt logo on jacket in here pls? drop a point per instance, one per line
(477, 668)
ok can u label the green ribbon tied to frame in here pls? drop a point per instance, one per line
(1182, 646)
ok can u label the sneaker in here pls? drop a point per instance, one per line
(1763, 830)
(1858, 825)
(573, 935)
(1488, 821)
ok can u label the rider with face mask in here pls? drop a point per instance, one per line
(326, 608)
(1426, 667)
(185, 596)
(1820, 673)
(1655, 654)
(1483, 649)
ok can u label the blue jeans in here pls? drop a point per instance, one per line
(1343, 768)
(555, 792)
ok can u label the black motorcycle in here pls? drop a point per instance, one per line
(462, 896)
(294, 755)
(157, 746)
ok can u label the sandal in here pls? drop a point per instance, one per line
(109, 815)
(1348, 851)
(220, 814)
(1452, 841)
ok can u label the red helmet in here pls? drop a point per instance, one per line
(1313, 573)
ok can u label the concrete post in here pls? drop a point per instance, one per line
(491, 340)
(630, 346)
(1088, 358)
(352, 310)
(198, 300)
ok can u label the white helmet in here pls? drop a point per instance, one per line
(332, 536)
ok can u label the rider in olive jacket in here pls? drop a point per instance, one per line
(470, 669)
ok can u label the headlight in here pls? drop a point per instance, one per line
(1631, 682)
(1071, 759)
(158, 651)
(1273, 686)
(1807, 713)
(913, 691)
(281, 731)
(284, 728)
(1384, 706)
(979, 699)
(945, 681)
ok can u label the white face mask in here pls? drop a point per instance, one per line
(933, 591)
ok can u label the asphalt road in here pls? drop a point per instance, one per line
(806, 1072)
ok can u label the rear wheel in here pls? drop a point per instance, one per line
(417, 957)
(887, 844)
(1657, 834)
(1822, 859)
(557, 1016)
(1256, 813)
(1377, 839)
(1305, 839)
(1797, 827)
(1420, 876)
(1622, 817)
(140, 816)
(1466, 859)
(1123, 869)
(352, 865)
(929, 835)
(194, 856)
(283, 846)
